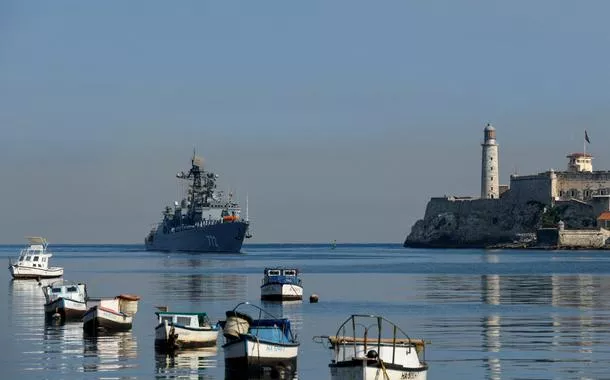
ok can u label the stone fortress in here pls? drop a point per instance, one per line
(558, 209)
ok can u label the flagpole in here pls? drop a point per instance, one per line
(584, 143)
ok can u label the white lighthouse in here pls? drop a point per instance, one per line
(490, 183)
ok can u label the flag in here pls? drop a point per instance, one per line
(587, 137)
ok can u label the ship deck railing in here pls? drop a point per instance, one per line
(201, 224)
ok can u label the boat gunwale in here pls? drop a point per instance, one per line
(64, 298)
(103, 308)
(253, 338)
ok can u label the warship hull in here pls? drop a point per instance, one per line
(220, 237)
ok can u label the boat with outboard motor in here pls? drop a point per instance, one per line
(255, 346)
(177, 330)
(204, 221)
(281, 284)
(65, 301)
(33, 261)
(385, 352)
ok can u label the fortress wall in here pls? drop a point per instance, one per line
(576, 213)
(600, 203)
(583, 238)
(438, 206)
(461, 207)
(547, 236)
(530, 188)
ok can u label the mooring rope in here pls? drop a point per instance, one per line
(385, 373)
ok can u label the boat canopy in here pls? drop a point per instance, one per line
(37, 240)
(283, 323)
(184, 319)
(281, 276)
(274, 330)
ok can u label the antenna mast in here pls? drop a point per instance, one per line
(247, 218)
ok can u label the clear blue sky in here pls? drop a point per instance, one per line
(338, 118)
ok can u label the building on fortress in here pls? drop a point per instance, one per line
(506, 213)
(578, 183)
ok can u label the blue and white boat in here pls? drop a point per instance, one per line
(254, 347)
(281, 284)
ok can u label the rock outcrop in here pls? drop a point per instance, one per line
(452, 222)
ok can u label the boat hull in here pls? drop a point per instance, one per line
(99, 319)
(371, 369)
(187, 337)
(281, 292)
(221, 237)
(248, 357)
(22, 272)
(65, 309)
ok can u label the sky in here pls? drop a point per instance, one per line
(338, 119)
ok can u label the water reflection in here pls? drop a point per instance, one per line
(536, 319)
(183, 281)
(266, 373)
(27, 321)
(185, 364)
(27, 302)
(292, 310)
(109, 352)
(61, 342)
(580, 291)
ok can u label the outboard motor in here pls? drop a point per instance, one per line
(372, 354)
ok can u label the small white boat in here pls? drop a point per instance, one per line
(34, 260)
(110, 314)
(360, 352)
(65, 301)
(254, 347)
(281, 284)
(184, 330)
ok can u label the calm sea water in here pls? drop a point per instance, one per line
(488, 314)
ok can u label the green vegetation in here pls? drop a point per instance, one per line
(552, 216)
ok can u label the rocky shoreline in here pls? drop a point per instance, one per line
(506, 224)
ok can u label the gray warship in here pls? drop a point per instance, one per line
(206, 220)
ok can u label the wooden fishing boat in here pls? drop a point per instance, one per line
(110, 314)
